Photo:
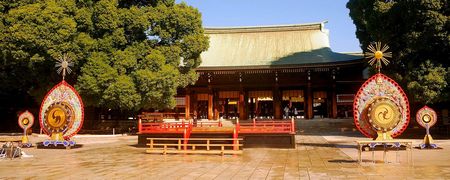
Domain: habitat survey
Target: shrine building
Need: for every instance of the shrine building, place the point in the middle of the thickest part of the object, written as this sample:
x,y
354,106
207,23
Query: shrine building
x,y
272,72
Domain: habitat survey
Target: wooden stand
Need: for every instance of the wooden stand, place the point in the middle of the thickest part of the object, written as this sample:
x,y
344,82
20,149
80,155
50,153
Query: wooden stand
x,y
396,144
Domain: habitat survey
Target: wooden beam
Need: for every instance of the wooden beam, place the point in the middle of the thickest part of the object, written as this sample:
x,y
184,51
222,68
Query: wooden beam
x,y
277,103
210,106
216,105
242,105
333,102
187,106
309,102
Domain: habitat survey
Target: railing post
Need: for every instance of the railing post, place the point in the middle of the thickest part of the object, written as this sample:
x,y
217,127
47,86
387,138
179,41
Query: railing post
x,y
140,126
220,122
254,122
185,139
238,125
235,135
292,125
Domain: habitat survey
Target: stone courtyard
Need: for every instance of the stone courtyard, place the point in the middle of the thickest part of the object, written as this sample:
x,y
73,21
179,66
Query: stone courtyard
x,y
326,149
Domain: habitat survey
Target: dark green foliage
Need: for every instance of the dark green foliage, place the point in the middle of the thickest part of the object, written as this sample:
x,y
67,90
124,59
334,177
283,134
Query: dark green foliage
x,y
128,54
418,33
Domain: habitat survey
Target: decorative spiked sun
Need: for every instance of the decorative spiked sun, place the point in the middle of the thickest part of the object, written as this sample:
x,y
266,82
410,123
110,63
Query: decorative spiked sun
x,y
64,63
378,54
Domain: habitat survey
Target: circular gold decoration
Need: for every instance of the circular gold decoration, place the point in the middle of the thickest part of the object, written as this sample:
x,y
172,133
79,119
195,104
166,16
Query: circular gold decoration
x,y
58,117
378,54
384,114
25,121
426,117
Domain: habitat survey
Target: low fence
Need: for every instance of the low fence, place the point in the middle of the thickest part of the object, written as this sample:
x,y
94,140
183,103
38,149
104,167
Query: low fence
x,y
266,126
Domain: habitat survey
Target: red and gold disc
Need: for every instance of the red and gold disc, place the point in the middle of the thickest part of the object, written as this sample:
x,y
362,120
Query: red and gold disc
x,y
62,111
26,120
381,105
426,116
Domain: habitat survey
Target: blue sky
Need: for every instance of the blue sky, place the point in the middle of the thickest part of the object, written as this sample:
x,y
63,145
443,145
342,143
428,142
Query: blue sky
x,y
220,13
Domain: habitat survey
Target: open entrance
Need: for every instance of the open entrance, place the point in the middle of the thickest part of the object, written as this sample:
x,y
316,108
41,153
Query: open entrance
x,y
345,105
320,107
260,104
293,104
229,104
202,106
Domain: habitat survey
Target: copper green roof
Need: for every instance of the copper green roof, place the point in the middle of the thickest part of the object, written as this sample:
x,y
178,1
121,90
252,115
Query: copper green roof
x,y
267,46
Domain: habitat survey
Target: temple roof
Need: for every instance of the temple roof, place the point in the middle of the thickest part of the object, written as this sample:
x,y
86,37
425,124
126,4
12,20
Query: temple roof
x,y
271,46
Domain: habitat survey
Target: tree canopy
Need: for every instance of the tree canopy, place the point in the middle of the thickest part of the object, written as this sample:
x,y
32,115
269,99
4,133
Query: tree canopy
x,y
128,54
417,32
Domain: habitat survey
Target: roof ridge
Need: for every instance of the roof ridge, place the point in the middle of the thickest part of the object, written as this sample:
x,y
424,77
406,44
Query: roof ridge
x,y
266,28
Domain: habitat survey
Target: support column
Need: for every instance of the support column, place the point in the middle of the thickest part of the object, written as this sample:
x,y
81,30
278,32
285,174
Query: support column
x,y
194,105
309,102
277,103
187,105
333,95
243,105
333,102
216,105
246,105
210,105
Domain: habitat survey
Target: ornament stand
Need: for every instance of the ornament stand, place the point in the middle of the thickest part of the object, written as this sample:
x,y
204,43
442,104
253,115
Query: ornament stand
x,y
26,121
381,110
25,140
57,139
61,114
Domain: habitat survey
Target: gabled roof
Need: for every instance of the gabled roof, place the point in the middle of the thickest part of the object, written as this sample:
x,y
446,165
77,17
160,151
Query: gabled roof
x,y
269,46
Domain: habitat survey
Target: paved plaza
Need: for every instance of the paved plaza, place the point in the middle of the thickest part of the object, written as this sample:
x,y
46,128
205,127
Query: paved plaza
x,y
325,150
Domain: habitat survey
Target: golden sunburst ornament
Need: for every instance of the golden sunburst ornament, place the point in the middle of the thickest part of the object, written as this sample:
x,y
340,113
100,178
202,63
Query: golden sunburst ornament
x,y
64,63
378,54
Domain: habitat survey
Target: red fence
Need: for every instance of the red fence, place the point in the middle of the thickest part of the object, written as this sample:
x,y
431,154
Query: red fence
x,y
185,128
152,127
264,126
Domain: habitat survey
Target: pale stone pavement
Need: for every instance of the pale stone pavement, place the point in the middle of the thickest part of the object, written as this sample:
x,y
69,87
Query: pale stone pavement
x,y
322,153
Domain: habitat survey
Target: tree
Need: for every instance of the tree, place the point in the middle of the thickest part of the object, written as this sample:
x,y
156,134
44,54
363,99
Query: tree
x,y
418,35
128,54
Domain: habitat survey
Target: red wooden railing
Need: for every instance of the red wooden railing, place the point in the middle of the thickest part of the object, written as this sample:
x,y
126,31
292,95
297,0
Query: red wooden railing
x,y
152,127
260,126
185,128
208,124
265,126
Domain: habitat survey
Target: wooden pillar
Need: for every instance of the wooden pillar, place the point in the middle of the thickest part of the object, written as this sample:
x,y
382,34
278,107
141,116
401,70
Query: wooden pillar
x,y
216,105
309,102
225,109
246,105
333,102
277,103
194,105
257,110
243,98
210,105
241,105
187,105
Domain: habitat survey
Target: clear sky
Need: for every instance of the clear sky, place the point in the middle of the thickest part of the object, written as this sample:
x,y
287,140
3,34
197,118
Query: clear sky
x,y
222,13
